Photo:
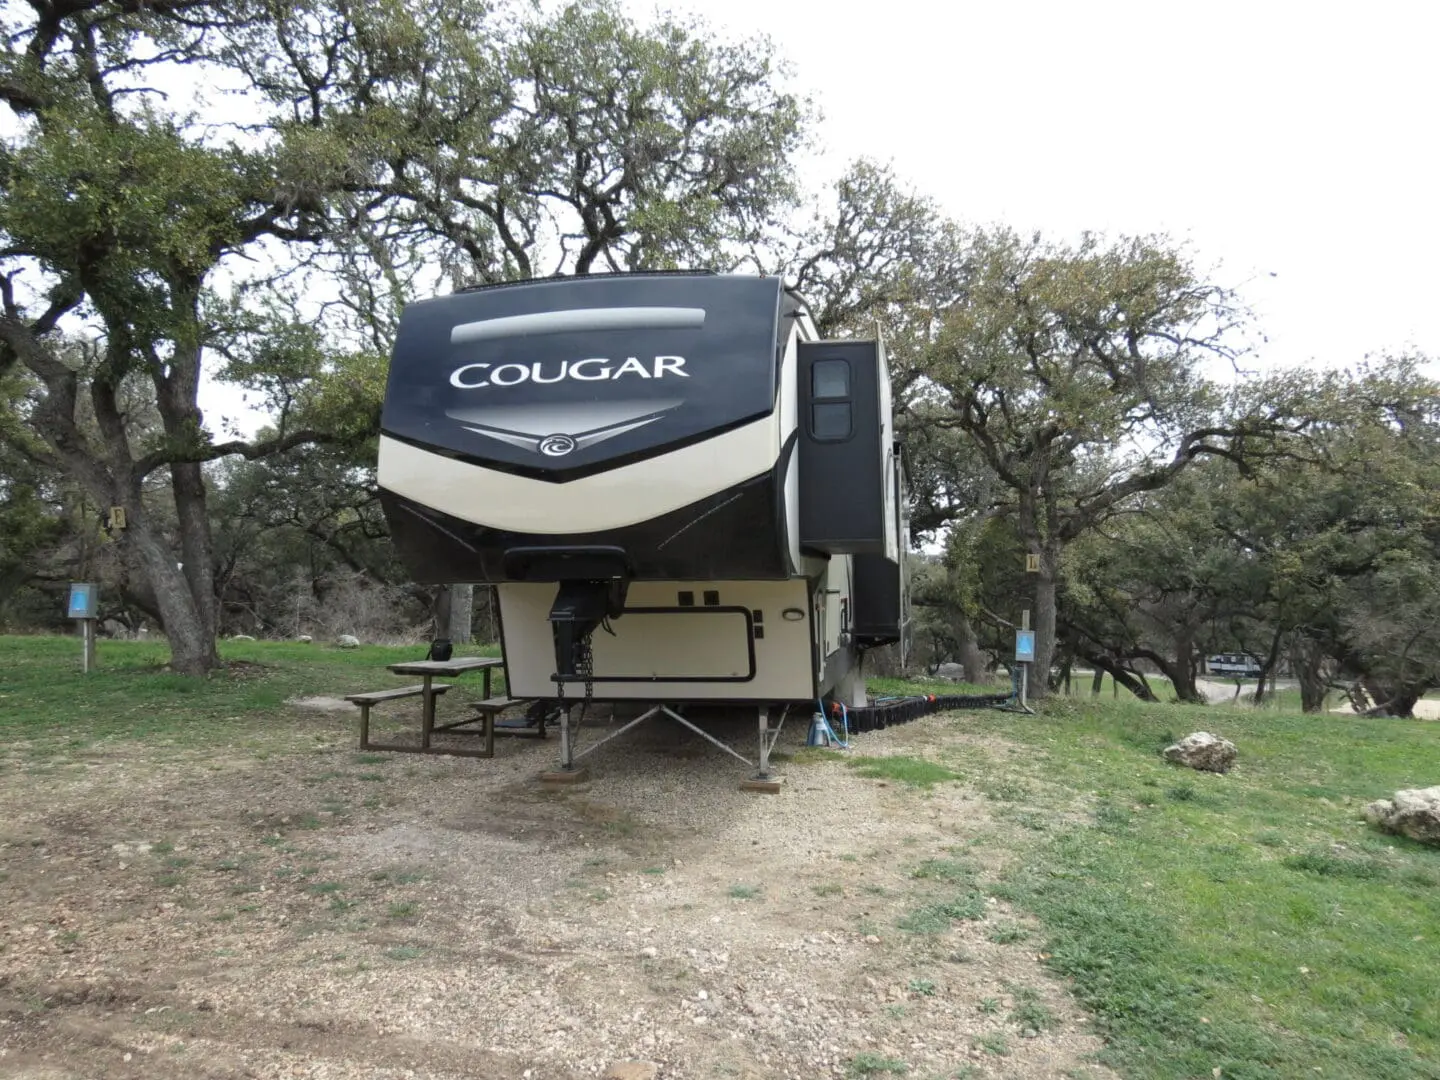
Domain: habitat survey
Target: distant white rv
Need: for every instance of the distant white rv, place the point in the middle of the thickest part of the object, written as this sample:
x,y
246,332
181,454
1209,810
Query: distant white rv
x,y
1233,664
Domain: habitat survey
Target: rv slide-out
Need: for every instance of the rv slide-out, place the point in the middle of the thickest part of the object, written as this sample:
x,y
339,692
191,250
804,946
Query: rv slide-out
x,y
668,466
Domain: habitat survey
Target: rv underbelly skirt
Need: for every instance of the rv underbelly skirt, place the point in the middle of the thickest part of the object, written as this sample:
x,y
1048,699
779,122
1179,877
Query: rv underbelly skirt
x,y
676,641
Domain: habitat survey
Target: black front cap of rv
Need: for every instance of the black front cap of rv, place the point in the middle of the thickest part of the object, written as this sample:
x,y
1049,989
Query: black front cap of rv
x,y
563,378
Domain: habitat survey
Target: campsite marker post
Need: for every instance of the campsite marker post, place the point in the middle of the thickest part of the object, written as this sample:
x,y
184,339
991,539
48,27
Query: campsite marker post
x,y
84,606
1024,651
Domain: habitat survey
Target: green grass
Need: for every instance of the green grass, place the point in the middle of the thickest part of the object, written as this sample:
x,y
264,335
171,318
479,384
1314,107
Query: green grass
x,y
868,1064
944,870
883,687
1249,922
45,699
911,771
937,916
994,1043
1284,700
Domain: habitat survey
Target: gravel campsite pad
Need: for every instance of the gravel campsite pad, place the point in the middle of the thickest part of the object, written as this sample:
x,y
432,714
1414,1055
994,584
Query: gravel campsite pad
x,y
288,907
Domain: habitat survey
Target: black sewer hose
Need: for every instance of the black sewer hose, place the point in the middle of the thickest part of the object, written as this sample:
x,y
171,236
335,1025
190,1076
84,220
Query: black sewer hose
x,y
885,713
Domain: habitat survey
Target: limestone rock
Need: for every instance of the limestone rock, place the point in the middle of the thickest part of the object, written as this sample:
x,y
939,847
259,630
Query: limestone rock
x,y
632,1070
241,637
954,672
1204,751
304,639
1414,812
348,641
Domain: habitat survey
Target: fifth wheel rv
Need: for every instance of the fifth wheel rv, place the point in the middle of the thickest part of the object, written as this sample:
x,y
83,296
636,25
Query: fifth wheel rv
x,y
679,494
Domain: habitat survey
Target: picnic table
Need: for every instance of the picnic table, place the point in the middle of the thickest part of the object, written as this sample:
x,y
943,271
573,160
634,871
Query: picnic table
x,y
452,668
486,709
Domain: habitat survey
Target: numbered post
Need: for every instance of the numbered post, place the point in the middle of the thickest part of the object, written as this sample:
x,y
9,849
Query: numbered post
x,y
1024,652
84,607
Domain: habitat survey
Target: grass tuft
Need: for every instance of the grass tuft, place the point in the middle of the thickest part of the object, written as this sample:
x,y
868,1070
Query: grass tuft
x,y
868,1064
1326,864
936,918
945,870
994,1042
911,771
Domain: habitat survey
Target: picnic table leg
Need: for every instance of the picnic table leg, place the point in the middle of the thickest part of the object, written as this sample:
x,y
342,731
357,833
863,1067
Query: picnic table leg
x,y
427,714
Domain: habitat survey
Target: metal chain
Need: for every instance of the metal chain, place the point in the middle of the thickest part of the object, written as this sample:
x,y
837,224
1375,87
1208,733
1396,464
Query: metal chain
x,y
585,668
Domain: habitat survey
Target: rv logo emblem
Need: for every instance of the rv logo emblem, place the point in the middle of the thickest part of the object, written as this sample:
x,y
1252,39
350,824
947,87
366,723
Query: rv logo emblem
x,y
557,445
556,431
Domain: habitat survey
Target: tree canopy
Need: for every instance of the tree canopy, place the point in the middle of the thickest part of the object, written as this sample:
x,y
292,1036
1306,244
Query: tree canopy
x,y
146,245
247,192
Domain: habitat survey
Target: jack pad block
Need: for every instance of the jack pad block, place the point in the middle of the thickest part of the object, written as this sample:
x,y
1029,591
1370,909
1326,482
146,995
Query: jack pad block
x,y
565,776
768,785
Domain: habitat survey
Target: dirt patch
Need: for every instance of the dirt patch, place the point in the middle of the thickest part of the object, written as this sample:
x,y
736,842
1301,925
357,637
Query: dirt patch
x,y
323,704
323,913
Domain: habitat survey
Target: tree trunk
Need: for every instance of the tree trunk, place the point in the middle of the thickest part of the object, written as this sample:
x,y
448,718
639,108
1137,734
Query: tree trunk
x,y
1181,672
462,608
192,649
1097,681
444,599
1027,522
176,398
970,657
1140,677
1045,620
485,614
1271,660
1391,700
1308,663
197,551
1122,677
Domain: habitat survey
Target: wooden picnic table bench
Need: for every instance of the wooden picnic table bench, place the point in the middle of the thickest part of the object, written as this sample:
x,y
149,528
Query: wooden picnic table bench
x,y
375,697
428,691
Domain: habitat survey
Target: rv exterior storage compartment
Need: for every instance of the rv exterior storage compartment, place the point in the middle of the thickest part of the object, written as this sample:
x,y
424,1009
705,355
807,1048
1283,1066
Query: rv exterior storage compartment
x,y
846,504
881,586
879,601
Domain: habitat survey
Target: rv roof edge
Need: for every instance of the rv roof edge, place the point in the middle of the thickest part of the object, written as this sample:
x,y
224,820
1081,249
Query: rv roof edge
x,y
482,286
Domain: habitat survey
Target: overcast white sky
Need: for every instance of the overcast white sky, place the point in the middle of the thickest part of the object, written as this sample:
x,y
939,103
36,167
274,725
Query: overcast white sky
x,y
1298,140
